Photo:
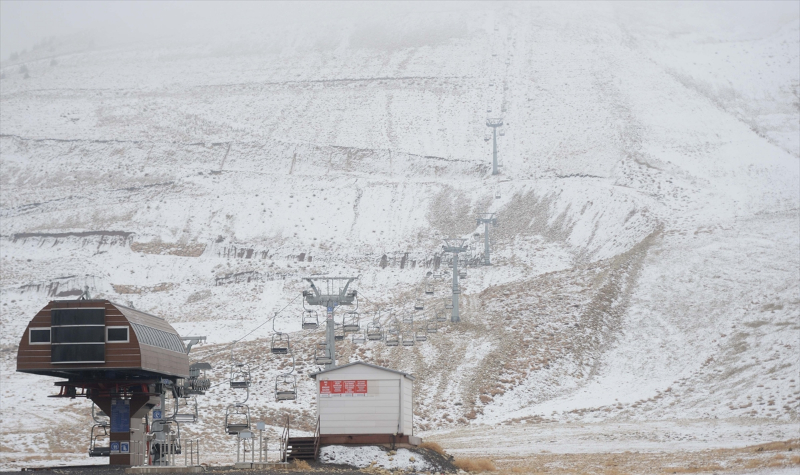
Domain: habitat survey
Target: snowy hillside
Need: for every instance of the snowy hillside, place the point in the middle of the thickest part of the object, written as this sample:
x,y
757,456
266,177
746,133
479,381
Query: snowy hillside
x,y
646,254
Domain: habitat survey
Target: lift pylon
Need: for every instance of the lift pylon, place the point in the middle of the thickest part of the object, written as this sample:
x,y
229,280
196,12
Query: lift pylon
x,y
486,219
494,123
455,246
330,292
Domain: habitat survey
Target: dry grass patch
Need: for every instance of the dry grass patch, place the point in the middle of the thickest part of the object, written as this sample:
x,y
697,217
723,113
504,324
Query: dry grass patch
x,y
695,469
432,446
300,465
475,465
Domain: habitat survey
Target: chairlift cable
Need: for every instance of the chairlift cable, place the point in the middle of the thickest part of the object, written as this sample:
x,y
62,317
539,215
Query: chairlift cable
x,y
253,330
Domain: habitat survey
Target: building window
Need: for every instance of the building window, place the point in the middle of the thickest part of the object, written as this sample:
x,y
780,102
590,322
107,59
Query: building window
x,y
77,335
39,336
117,335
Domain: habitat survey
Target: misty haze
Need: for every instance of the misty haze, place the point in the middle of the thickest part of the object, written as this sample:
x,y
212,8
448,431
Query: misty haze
x,y
565,237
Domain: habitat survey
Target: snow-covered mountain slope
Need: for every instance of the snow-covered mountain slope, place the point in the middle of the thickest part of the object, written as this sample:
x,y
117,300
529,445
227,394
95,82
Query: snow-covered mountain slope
x,y
646,254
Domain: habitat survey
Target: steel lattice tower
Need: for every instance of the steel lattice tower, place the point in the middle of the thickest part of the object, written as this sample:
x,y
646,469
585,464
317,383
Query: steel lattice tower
x,y
486,219
455,245
335,295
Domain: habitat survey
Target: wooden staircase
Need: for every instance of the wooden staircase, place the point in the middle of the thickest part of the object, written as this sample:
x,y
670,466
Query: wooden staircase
x,y
302,448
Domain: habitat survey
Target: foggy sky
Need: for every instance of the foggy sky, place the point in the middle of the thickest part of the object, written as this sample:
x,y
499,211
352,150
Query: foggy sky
x,y
25,23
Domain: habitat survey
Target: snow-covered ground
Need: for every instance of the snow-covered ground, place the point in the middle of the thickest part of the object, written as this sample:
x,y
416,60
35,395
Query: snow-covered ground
x,y
645,284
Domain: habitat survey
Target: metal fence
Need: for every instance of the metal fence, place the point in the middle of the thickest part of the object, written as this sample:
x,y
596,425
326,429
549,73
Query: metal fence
x,y
173,451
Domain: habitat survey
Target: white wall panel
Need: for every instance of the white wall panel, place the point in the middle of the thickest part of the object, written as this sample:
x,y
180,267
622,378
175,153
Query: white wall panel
x,y
377,412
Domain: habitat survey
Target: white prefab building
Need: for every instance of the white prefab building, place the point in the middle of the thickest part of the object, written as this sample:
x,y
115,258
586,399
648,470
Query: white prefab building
x,y
360,399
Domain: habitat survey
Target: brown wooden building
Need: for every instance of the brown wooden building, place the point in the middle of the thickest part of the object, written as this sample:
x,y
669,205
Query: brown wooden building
x,y
99,338
114,355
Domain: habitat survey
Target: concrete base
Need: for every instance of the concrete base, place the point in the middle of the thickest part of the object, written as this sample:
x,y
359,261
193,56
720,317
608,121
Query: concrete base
x,y
165,469
399,440
270,465
260,465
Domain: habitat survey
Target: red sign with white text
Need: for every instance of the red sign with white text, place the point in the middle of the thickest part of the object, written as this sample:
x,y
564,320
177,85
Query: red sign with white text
x,y
336,386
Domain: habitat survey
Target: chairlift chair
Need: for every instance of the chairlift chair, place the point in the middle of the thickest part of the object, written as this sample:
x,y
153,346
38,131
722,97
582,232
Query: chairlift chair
x,y
374,331
441,317
350,322
237,418
280,344
359,338
310,320
408,338
408,318
393,336
101,421
502,132
448,306
338,333
421,334
240,376
322,355
286,387
99,417
429,289
431,327
186,416
96,450
418,305
462,274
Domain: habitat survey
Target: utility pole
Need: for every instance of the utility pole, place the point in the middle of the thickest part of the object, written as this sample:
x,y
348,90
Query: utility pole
x,y
335,294
494,123
455,245
486,219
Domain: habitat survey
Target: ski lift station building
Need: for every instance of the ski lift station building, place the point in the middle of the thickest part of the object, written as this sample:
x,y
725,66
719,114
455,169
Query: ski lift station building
x,y
109,353
361,403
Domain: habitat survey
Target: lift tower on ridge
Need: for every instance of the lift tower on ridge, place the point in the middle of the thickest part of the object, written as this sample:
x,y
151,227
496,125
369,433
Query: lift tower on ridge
x,y
486,219
494,123
455,245
336,294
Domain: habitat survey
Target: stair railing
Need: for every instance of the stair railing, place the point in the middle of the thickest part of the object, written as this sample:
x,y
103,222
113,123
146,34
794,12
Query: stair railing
x,y
285,442
316,440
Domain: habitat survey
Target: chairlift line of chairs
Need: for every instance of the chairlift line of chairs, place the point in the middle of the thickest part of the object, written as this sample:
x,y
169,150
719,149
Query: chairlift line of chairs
x,y
237,415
